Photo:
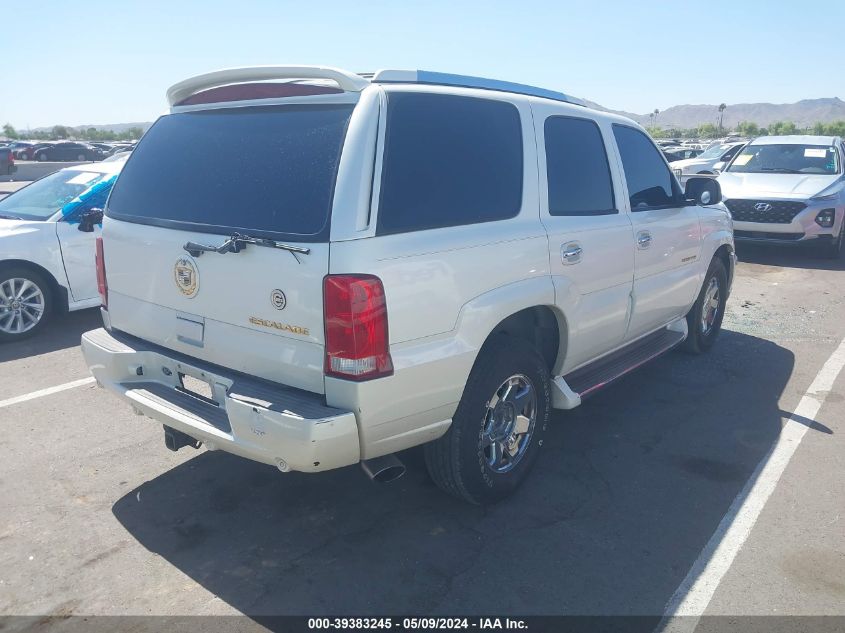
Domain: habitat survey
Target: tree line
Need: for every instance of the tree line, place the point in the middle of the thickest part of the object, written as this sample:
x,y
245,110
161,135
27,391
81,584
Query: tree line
x,y
63,132
751,129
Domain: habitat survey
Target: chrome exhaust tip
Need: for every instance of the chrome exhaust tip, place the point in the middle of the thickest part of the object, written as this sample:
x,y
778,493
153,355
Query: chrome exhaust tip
x,y
383,469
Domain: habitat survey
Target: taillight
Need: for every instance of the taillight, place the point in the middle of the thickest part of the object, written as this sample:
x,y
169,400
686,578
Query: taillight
x,y
355,310
102,284
11,158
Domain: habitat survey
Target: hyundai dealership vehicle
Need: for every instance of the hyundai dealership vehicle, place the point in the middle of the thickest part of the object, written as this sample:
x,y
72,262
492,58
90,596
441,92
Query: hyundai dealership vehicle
x,y
47,236
391,260
789,190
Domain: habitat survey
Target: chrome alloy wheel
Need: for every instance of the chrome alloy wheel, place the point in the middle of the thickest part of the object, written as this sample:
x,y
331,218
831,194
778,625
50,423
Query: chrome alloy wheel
x,y
710,306
21,305
509,423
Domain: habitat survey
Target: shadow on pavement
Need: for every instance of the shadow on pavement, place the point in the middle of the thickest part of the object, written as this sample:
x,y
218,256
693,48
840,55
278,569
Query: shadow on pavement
x,y
786,257
63,331
626,493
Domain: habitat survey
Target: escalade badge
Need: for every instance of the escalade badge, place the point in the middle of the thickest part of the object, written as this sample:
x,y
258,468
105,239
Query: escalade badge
x,y
187,277
763,206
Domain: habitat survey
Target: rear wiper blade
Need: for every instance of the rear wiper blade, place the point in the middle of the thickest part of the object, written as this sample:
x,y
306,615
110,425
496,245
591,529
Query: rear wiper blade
x,y
237,242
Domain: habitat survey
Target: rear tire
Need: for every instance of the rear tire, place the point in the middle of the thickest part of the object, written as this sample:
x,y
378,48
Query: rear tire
x,y
704,320
499,426
26,302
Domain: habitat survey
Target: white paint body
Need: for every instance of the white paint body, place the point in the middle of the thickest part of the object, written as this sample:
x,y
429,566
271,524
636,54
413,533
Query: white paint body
x,y
57,247
446,289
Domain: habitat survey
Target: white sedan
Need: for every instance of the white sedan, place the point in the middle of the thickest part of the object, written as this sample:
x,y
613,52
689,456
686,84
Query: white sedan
x,y
47,236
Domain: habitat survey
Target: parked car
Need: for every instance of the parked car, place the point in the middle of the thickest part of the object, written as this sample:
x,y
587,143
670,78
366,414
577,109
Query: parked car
x,y
66,151
47,237
7,161
314,301
28,152
122,147
789,190
709,161
674,154
17,146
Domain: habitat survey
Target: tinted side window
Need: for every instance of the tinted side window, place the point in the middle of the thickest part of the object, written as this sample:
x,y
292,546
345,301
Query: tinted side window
x,y
650,183
449,161
577,169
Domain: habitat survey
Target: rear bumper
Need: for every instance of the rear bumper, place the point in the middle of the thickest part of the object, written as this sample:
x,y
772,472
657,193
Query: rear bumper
x,y
268,423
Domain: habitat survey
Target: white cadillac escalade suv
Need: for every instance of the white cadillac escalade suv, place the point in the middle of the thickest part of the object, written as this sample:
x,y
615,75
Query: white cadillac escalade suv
x,y
311,269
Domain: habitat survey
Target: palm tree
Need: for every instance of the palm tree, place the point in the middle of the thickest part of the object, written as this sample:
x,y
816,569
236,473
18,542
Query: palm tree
x,y
722,108
656,112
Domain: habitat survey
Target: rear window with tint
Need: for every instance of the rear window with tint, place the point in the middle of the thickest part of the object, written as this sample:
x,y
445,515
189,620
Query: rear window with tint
x,y
448,161
267,171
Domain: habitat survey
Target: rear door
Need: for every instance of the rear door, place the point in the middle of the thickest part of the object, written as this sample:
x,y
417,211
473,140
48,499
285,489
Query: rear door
x,y
591,242
667,234
201,177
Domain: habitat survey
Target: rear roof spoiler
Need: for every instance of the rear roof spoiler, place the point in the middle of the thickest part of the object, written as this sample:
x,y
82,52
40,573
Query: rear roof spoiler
x,y
347,81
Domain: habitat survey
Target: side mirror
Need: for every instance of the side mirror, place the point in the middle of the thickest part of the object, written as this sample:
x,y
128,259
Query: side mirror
x,y
720,165
89,219
703,191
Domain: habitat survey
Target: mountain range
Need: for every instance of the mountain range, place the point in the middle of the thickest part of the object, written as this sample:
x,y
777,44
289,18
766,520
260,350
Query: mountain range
x,y
803,113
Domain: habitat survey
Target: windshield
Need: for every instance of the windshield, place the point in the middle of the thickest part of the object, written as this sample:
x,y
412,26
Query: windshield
x,y
787,159
716,151
43,198
266,171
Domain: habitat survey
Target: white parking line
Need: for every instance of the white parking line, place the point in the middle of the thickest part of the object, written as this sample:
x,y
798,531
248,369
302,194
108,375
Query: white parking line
x,y
46,392
695,592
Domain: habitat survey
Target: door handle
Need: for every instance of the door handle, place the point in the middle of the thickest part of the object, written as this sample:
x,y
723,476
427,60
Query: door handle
x,y
643,239
571,253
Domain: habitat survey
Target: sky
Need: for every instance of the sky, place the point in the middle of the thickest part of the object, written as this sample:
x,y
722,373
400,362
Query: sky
x,y
98,62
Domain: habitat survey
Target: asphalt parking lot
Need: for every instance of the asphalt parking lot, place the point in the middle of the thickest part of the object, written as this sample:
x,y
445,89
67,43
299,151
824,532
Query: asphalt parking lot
x,y
99,518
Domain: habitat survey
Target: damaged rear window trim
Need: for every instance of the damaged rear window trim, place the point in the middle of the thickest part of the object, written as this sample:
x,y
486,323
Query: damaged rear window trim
x,y
217,229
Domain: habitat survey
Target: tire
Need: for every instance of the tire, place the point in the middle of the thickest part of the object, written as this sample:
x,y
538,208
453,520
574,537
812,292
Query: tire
x,y
12,279
835,248
703,333
461,462
41,157
81,157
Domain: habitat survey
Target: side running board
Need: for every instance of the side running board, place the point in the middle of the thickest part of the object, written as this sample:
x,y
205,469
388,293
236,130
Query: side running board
x,y
569,390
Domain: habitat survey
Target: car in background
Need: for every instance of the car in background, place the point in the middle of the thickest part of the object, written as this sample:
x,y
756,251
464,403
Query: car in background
x,y
674,154
121,147
28,153
7,162
18,146
68,150
710,161
788,190
47,236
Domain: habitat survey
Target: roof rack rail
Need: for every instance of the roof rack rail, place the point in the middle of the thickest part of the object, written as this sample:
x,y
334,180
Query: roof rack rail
x,y
347,81
467,81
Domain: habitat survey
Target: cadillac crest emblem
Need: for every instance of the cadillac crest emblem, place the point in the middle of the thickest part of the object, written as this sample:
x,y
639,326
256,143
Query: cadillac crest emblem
x,y
186,276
